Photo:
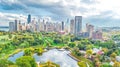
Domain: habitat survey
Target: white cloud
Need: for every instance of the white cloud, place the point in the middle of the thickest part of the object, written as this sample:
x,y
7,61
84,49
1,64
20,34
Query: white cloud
x,y
9,17
70,8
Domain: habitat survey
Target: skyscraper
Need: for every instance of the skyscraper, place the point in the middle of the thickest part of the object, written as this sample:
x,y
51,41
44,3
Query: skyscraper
x,y
11,26
16,25
29,19
72,24
89,29
19,26
78,25
97,35
62,26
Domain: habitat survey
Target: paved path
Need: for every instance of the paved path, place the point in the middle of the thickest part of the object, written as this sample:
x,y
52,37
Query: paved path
x,y
73,57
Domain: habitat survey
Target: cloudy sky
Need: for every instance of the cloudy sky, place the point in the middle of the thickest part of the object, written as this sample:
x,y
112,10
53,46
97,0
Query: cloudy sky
x,y
97,12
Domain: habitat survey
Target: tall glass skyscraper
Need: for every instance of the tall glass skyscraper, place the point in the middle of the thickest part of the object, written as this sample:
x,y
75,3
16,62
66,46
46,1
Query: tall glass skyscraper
x,y
16,25
11,26
78,25
29,19
62,26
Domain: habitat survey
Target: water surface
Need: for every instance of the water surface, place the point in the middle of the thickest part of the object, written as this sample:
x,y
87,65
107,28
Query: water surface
x,y
54,55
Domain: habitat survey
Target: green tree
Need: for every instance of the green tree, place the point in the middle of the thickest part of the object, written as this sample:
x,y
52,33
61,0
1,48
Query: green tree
x,y
116,64
28,51
105,65
113,55
81,46
39,51
89,52
26,61
72,44
76,52
10,36
82,64
24,44
5,63
57,41
88,47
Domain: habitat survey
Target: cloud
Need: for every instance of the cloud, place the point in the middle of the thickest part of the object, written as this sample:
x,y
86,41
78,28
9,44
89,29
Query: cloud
x,y
12,5
91,10
9,17
104,19
89,1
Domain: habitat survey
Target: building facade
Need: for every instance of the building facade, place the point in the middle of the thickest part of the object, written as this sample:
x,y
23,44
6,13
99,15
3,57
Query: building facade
x,y
78,25
89,29
11,26
29,19
72,26
62,26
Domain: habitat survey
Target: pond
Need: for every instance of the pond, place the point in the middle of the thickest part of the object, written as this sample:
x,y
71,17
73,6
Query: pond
x,y
54,55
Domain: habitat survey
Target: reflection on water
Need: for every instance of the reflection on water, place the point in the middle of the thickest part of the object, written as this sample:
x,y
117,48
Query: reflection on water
x,y
59,57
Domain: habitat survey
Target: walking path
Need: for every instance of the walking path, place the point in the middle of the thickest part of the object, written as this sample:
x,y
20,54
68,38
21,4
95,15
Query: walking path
x,y
73,57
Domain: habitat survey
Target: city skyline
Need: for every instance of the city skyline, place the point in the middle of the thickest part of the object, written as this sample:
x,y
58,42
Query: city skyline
x,y
97,12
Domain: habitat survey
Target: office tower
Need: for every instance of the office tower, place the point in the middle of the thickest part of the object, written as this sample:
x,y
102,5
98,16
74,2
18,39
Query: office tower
x,y
37,26
67,26
62,26
32,25
97,35
29,19
89,29
49,27
45,27
72,24
19,26
57,27
25,26
78,25
11,26
16,25
41,26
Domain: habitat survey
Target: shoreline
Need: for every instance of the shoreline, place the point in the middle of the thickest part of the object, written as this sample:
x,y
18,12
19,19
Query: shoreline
x,y
74,58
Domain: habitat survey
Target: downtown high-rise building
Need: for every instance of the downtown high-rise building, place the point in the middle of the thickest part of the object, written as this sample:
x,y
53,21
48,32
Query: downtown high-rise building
x,y
90,29
16,25
11,26
42,25
62,26
29,19
78,25
72,25
19,26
